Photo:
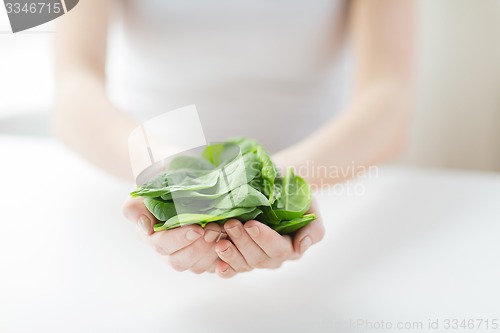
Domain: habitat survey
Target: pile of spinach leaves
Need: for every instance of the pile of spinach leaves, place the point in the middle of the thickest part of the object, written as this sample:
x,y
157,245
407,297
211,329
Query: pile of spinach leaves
x,y
234,179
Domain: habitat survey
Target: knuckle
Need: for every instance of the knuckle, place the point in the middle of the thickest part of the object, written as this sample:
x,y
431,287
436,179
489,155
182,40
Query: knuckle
x,y
260,263
177,264
191,256
241,268
282,255
278,264
274,264
232,255
227,275
321,235
320,231
159,249
246,269
129,206
197,270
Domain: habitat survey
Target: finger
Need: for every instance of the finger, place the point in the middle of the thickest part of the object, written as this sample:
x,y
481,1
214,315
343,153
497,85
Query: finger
x,y
134,210
208,260
230,254
205,264
224,270
212,232
309,235
253,254
187,257
211,269
169,241
272,243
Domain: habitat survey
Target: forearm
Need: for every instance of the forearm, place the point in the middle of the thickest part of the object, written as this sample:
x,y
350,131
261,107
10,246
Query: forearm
x,y
87,122
371,131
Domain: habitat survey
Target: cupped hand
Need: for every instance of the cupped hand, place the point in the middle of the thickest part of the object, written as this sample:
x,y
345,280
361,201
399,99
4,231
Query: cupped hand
x,y
255,245
186,248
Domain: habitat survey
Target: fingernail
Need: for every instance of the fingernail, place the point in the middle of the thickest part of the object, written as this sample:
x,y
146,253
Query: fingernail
x,y
305,243
192,235
222,235
211,236
253,231
234,232
145,224
226,253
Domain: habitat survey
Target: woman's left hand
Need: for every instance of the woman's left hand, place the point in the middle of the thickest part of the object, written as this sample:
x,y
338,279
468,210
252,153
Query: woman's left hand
x,y
255,245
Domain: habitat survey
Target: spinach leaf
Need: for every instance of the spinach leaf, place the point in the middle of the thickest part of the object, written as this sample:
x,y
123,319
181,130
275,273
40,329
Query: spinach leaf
x,y
288,227
232,179
295,199
269,173
181,180
202,219
242,196
246,145
238,172
160,209
268,216
221,153
190,163
249,216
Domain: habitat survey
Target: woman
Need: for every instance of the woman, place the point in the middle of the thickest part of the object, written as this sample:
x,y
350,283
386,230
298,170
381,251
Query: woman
x,y
263,69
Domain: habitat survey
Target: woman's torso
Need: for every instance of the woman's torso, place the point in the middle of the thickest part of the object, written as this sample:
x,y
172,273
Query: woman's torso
x,y
259,68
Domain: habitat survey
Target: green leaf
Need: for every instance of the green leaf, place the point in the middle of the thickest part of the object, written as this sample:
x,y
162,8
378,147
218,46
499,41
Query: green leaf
x,y
246,145
185,182
238,172
295,199
190,163
269,173
268,216
233,179
160,209
202,219
249,216
288,227
219,154
242,196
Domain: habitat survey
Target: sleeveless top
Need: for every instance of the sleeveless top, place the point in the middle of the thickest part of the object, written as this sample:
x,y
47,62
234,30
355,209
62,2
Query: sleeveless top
x,y
272,70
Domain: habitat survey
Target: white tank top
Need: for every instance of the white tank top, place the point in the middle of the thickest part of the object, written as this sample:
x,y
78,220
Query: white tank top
x,y
273,70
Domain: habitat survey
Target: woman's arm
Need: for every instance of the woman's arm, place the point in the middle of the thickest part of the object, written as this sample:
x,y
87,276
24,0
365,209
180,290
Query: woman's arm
x,y
372,130
87,122
374,127
84,118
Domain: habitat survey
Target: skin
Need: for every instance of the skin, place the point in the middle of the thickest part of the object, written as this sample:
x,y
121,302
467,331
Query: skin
x,y
372,130
255,245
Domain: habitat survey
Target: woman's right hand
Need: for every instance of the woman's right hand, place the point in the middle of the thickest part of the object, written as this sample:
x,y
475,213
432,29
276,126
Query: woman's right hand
x,y
187,248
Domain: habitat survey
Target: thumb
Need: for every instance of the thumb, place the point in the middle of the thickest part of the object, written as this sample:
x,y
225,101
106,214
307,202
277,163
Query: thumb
x,y
310,234
134,210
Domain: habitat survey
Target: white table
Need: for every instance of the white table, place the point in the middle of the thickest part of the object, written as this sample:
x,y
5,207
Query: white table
x,y
418,244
